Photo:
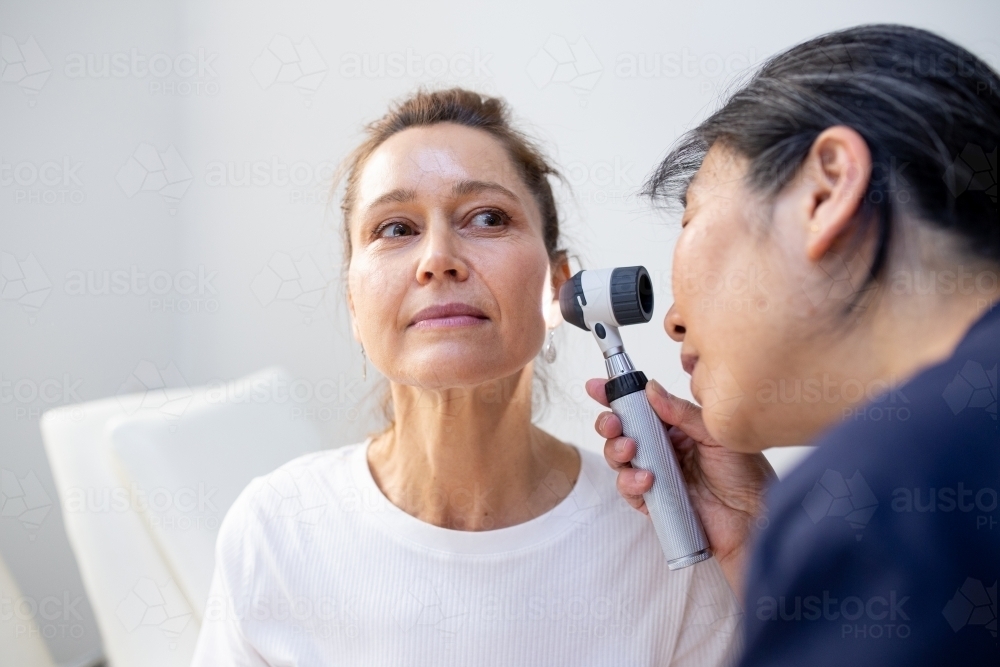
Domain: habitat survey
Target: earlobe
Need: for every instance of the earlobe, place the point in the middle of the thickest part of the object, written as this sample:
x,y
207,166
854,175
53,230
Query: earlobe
x,y
839,165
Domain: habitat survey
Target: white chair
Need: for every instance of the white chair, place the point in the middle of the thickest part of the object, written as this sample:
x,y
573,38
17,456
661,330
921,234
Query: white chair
x,y
144,479
21,642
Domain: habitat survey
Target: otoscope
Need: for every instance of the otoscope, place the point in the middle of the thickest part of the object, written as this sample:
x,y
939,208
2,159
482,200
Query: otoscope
x,y
601,301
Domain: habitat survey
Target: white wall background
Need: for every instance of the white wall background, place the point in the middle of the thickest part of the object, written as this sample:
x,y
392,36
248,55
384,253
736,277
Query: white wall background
x,y
217,99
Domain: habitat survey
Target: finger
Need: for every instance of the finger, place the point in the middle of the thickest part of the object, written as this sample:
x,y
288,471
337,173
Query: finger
x,y
595,388
677,412
619,452
631,488
608,425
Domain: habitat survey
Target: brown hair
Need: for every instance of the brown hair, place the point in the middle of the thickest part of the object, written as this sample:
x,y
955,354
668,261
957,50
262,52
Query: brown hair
x,y
468,108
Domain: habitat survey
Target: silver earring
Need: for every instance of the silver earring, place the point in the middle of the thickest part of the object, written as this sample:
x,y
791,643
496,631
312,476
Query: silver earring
x,y
549,351
364,365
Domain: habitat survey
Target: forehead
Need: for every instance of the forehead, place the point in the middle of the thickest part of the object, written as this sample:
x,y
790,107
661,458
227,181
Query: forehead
x,y
721,171
420,158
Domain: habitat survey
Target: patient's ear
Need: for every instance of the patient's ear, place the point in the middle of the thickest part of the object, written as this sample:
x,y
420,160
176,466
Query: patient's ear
x,y
833,180
560,274
354,320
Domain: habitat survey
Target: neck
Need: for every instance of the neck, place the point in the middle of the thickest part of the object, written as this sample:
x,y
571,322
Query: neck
x,y
932,293
913,332
916,320
470,458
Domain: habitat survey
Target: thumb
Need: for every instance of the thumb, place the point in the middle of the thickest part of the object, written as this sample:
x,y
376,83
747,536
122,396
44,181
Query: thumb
x,y
595,388
675,411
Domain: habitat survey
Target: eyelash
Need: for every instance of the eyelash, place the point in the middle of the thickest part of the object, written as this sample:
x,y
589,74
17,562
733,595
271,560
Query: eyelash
x,y
500,214
377,234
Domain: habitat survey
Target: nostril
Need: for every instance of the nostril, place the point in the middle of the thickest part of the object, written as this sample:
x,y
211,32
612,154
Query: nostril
x,y
679,329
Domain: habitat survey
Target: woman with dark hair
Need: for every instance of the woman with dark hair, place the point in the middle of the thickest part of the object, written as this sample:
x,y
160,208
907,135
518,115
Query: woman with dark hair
x,y
462,534
856,174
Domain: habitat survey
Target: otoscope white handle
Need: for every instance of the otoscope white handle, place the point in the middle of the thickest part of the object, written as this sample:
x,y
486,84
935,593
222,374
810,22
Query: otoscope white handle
x,y
677,526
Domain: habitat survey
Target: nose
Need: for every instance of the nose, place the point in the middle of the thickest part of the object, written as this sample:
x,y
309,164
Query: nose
x,y
674,325
440,257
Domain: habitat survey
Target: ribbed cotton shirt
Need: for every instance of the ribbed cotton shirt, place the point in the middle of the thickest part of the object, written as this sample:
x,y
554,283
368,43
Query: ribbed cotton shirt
x,y
315,566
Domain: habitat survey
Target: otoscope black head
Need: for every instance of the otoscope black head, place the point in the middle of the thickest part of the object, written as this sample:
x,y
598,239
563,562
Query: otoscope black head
x,y
627,292
631,295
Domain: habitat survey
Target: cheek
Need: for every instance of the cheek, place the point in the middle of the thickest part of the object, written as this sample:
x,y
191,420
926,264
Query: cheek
x,y
376,294
698,261
517,281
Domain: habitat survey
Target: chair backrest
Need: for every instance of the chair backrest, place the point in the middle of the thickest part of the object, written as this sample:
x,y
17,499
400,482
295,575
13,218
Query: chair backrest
x,y
129,471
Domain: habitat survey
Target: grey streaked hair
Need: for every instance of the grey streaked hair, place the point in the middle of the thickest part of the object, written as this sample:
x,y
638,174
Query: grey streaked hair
x,y
928,109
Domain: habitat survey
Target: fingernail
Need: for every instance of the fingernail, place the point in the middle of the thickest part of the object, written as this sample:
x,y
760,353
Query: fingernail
x,y
658,388
600,422
619,446
641,476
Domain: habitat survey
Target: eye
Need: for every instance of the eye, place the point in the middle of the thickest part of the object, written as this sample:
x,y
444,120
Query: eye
x,y
395,229
491,218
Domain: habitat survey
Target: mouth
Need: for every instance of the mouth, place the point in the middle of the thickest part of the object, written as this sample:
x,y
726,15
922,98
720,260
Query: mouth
x,y
688,362
448,315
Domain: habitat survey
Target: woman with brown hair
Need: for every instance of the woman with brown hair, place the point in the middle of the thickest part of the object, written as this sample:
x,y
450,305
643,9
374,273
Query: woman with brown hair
x,y
463,533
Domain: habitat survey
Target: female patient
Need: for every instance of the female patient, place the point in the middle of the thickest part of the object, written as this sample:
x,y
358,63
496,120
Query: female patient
x,y
462,534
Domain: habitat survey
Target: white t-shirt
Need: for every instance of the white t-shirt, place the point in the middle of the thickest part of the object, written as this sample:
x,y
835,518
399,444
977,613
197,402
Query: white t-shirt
x,y
315,566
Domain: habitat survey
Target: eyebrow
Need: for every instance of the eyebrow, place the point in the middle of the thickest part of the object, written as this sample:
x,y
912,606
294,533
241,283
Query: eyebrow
x,y
397,196
403,195
473,187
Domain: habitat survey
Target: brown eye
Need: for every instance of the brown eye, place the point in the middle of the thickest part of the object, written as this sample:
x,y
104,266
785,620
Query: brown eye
x,y
394,229
489,219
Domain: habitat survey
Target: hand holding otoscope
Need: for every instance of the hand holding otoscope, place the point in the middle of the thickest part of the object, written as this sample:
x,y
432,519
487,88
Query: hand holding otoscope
x,y
601,301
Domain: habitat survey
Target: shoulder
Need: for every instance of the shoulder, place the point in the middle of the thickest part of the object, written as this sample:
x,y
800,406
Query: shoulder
x,y
289,498
936,429
899,499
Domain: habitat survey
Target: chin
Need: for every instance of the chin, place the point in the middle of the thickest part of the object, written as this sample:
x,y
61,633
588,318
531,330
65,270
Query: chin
x,y
734,432
445,369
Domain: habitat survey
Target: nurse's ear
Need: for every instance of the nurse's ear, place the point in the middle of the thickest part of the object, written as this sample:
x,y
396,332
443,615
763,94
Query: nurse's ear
x,y
830,187
560,272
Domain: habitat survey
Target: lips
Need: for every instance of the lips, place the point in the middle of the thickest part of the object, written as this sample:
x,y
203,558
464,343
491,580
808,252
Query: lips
x,y
688,362
448,314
